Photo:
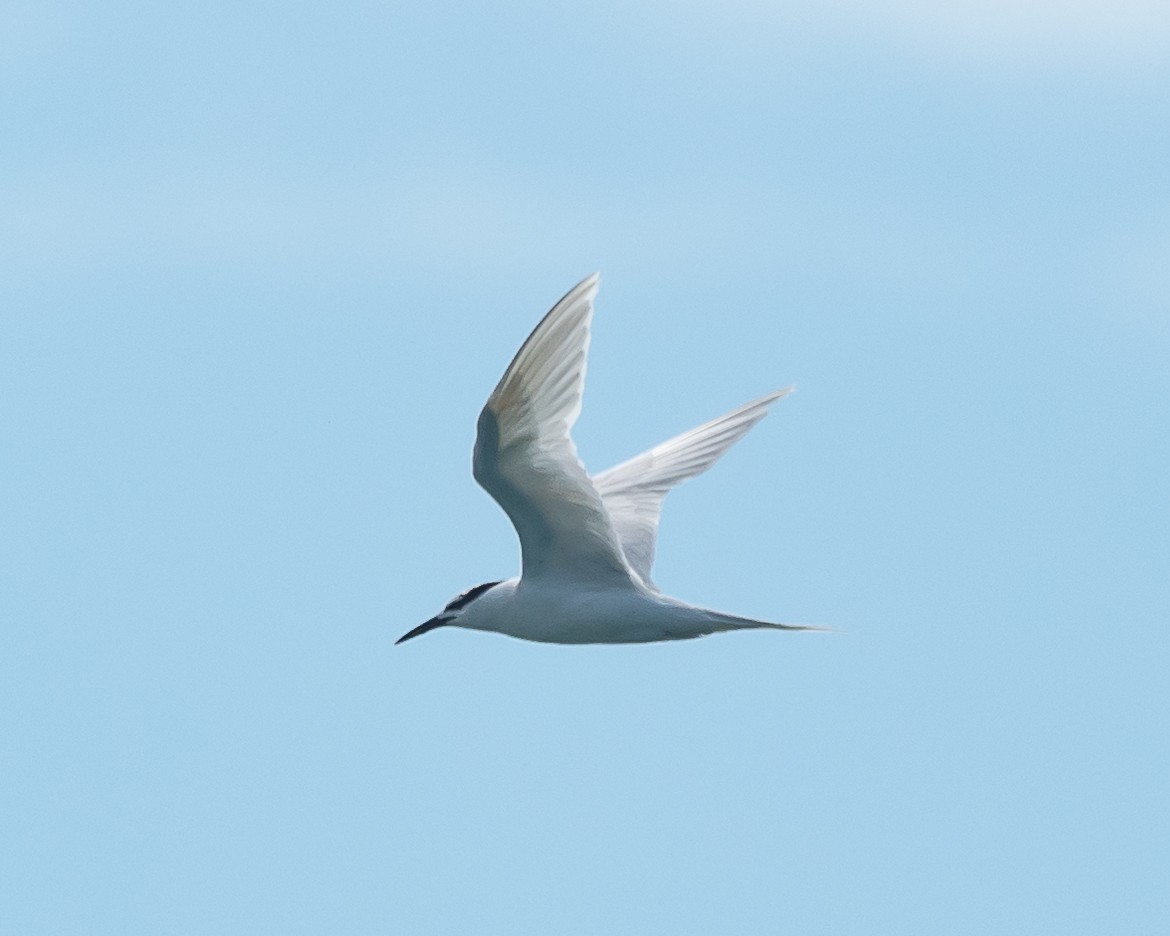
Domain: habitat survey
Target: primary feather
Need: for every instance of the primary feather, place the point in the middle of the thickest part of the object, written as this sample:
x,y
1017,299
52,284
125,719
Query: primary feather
x,y
634,490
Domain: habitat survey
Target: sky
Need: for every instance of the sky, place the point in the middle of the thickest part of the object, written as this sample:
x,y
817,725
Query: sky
x,y
260,266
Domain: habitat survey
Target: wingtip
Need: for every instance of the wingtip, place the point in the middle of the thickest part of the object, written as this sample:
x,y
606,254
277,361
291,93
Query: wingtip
x,y
762,403
585,290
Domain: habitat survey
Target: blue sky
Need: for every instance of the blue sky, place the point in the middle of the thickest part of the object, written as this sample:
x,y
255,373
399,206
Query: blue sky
x,y
261,264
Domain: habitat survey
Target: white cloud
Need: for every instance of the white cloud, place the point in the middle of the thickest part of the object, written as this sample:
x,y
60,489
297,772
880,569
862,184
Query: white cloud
x,y
1037,28
470,214
1010,33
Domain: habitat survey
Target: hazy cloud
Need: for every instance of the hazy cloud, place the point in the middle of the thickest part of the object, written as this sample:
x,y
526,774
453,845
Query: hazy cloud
x,y
984,32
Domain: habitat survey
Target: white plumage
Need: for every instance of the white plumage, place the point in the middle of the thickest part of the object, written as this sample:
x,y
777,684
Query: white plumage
x,y
587,544
633,491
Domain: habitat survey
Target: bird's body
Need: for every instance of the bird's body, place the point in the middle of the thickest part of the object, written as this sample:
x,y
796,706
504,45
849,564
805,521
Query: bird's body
x,y
590,612
587,543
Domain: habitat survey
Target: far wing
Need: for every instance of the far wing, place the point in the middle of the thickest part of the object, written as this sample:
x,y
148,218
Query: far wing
x,y
634,490
525,457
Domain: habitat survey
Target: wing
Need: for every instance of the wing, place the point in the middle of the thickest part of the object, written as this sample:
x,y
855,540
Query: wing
x,y
634,490
525,457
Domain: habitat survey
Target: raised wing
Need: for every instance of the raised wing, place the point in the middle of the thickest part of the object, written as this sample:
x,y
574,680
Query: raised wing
x,y
525,457
634,490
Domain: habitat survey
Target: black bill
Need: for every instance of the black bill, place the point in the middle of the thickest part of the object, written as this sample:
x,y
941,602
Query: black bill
x,y
423,628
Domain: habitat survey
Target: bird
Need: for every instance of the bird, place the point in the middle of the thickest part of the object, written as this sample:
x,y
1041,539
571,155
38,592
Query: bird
x,y
587,543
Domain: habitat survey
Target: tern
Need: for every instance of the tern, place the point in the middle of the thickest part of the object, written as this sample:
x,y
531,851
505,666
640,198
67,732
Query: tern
x,y
586,543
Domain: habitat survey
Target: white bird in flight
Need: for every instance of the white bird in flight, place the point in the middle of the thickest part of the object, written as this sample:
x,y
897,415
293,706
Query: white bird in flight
x,y
586,543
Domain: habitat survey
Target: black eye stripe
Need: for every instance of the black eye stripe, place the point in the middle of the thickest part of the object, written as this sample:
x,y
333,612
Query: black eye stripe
x,y
469,596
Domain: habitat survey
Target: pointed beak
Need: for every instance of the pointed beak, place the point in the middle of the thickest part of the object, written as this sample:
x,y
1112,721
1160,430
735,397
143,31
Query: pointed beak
x,y
422,629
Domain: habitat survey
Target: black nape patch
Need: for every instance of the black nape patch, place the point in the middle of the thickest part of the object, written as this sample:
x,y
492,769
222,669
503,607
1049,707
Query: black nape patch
x,y
469,596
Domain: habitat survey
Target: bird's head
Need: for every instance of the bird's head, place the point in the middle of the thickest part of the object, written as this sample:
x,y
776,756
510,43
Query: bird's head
x,y
455,610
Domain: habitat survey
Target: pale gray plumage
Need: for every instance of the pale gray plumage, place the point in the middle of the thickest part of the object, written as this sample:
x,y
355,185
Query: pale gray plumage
x,y
526,459
587,544
634,490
